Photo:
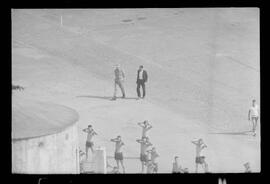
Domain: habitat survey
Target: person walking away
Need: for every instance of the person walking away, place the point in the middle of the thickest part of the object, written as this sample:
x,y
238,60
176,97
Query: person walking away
x,y
119,81
142,78
118,155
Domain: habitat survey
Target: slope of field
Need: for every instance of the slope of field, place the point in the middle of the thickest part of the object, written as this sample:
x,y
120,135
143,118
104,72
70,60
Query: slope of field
x,y
203,67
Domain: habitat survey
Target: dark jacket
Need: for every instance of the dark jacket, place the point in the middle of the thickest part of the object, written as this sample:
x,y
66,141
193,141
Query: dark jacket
x,y
145,76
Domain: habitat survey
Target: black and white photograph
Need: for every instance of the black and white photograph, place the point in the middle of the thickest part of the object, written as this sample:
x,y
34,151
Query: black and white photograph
x,y
136,90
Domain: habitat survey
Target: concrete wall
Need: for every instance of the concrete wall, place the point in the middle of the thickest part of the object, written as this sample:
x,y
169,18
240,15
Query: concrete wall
x,y
97,164
51,154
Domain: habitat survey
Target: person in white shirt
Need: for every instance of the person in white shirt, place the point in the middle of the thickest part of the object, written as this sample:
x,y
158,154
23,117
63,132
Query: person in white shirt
x,y
253,115
119,80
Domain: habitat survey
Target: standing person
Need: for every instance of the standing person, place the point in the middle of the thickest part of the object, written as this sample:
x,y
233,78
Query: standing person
x,y
152,162
145,127
118,155
200,159
253,114
145,143
141,80
89,143
176,166
119,80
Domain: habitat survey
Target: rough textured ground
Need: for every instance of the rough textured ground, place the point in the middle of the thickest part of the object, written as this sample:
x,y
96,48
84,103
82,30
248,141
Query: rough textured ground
x,y
203,67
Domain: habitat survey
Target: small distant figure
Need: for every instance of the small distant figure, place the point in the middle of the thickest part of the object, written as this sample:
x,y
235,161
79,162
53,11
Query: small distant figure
x,y
145,143
247,167
200,159
118,155
253,114
119,80
145,127
17,87
152,165
142,78
176,166
89,143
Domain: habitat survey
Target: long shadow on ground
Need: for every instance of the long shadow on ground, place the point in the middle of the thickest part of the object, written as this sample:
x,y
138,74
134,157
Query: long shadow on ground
x,y
105,97
234,133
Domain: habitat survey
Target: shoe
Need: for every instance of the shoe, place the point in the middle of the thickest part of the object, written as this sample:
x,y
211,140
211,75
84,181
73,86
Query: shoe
x,y
123,96
114,98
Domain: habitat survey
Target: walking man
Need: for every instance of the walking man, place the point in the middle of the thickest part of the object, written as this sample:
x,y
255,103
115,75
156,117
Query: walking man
x,y
118,155
144,145
89,143
200,159
145,127
119,80
141,80
253,114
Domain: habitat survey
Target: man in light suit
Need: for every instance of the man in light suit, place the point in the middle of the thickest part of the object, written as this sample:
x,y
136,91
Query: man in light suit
x,y
141,80
119,80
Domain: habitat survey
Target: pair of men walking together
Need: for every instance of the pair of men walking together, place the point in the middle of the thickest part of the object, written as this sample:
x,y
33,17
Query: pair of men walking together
x,y
120,77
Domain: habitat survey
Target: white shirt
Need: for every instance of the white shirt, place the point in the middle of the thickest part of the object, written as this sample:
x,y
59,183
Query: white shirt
x,y
254,111
141,74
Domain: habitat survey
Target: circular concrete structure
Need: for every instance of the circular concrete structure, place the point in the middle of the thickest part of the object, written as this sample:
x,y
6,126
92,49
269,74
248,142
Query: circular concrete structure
x,y
44,138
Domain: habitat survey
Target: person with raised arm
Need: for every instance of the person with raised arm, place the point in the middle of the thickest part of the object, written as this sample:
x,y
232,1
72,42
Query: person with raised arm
x,y
118,155
200,160
145,127
145,143
89,143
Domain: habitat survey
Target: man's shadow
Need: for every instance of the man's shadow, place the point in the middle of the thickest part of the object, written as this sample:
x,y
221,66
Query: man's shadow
x,y
233,133
105,97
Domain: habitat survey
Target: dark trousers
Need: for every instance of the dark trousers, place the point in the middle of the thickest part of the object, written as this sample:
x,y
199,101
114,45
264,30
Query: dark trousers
x,y
139,84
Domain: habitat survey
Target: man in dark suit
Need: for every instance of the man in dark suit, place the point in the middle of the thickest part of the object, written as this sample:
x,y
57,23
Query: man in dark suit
x,y
141,80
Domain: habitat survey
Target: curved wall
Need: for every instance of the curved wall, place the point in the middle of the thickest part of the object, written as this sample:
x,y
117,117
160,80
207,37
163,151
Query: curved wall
x,y
51,154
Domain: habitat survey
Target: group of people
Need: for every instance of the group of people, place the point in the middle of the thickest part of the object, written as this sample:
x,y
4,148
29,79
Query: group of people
x,y
119,79
147,156
199,159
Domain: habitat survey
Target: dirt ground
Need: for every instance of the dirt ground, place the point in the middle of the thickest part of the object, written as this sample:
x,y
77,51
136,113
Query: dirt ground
x,y
203,67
